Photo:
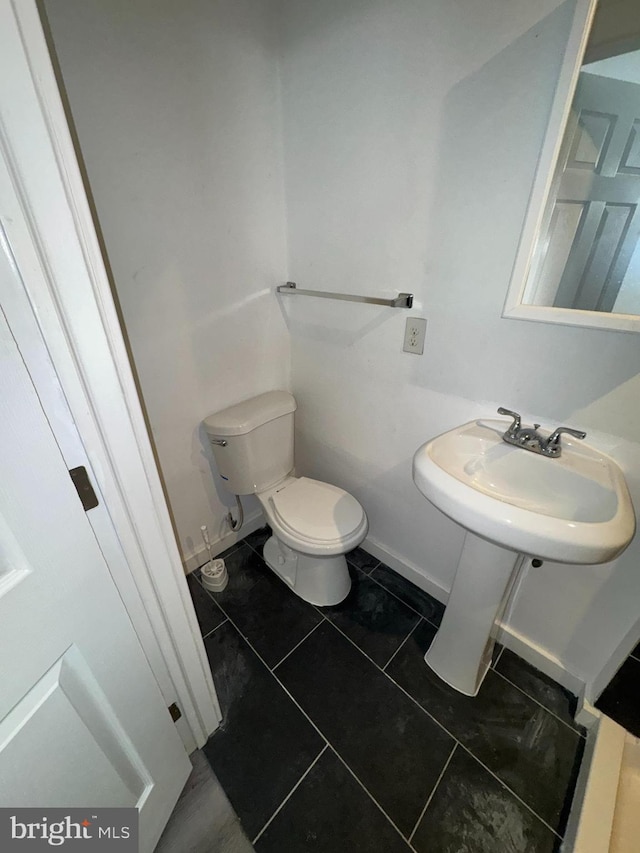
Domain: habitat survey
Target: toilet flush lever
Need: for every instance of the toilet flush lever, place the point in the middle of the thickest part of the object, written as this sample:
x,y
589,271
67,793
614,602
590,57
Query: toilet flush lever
x,y
219,441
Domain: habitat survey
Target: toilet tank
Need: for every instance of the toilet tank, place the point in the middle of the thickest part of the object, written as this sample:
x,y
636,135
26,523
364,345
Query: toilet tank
x,y
258,441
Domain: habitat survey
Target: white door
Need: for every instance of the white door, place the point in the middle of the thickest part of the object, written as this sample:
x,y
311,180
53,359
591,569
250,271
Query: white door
x,y
82,720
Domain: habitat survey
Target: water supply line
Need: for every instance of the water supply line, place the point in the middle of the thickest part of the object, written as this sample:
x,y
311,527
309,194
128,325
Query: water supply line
x,y
233,524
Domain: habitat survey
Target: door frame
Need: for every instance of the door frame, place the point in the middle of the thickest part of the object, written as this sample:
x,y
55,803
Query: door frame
x,y
59,257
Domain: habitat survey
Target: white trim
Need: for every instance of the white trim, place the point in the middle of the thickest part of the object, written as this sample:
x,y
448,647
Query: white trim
x,y
571,317
71,298
541,659
590,824
514,307
197,556
614,662
536,655
408,570
587,715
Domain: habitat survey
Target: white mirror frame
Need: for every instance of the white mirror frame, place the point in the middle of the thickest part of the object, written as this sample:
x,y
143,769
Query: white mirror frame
x,y
514,306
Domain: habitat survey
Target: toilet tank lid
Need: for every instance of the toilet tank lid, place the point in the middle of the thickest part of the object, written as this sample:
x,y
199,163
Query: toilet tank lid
x,y
245,416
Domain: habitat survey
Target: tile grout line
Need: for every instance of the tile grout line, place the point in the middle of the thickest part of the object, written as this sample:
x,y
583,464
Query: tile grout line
x,y
511,791
212,599
312,723
291,651
360,569
397,597
370,795
430,797
368,574
275,677
406,693
493,666
395,683
255,550
401,644
213,630
495,663
446,730
224,612
475,757
537,702
384,669
291,792
356,646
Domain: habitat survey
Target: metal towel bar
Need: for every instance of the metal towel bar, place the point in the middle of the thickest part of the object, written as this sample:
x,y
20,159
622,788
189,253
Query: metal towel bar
x,y
402,300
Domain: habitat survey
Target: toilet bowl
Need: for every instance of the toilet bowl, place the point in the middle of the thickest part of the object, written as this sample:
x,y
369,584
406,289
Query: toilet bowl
x,y
314,523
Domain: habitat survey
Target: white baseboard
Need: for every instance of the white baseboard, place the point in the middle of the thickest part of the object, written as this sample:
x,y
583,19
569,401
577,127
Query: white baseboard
x,y
412,573
541,659
522,646
198,556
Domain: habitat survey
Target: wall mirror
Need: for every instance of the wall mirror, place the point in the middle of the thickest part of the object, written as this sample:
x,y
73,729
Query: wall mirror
x,y
578,262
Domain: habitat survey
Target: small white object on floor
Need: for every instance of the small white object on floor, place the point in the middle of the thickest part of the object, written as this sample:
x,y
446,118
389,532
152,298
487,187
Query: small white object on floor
x,y
214,575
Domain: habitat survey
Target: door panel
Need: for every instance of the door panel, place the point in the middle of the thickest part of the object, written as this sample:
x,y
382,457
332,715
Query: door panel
x,y
65,723
82,720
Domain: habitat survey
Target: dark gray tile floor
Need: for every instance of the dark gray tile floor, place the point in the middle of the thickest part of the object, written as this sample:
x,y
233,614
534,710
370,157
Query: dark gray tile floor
x,y
208,617
394,749
337,735
508,731
471,810
419,601
253,600
372,618
329,812
539,686
266,743
621,698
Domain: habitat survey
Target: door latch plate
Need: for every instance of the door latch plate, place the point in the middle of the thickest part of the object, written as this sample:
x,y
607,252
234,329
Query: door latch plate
x,y
81,481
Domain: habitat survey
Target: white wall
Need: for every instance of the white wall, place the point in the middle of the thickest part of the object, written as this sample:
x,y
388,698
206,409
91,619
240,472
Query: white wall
x,y
411,133
176,108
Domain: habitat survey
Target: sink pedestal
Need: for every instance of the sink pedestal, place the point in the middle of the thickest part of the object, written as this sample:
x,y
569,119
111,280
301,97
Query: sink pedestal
x,y
461,651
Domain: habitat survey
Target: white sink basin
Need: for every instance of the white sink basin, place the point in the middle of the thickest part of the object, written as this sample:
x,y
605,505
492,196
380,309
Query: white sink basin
x,y
572,509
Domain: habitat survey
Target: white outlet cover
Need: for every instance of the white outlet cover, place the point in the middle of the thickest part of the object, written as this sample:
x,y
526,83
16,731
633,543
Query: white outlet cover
x,y
414,335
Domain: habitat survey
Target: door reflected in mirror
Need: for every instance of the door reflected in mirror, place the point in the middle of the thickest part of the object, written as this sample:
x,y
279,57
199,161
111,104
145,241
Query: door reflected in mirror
x,y
580,251
588,254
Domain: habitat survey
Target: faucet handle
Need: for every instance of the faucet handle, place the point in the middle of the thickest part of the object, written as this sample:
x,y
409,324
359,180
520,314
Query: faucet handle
x,y
515,426
553,442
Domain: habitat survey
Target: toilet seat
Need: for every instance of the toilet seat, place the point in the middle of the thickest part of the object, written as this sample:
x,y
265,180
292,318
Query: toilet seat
x,y
314,517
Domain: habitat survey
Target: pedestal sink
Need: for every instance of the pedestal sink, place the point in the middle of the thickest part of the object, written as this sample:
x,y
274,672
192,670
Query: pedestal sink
x,y
513,503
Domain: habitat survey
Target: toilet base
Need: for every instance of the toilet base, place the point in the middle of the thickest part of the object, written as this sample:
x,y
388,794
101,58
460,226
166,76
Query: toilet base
x,y
323,581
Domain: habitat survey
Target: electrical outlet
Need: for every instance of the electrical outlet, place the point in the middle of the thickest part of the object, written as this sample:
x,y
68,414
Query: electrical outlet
x,y
414,335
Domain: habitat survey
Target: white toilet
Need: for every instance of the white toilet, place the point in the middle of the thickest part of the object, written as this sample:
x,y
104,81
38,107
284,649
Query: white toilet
x,y
314,524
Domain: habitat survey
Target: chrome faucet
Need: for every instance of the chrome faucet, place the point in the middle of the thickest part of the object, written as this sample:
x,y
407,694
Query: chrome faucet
x,y
530,439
